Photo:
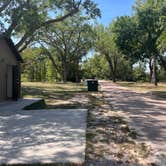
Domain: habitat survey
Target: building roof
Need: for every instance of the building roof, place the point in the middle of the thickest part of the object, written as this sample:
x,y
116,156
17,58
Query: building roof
x,y
12,48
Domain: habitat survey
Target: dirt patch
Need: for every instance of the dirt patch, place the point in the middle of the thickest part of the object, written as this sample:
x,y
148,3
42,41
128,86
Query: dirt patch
x,y
110,141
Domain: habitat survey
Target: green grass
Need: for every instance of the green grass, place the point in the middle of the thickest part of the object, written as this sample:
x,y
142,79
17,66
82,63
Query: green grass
x,y
55,95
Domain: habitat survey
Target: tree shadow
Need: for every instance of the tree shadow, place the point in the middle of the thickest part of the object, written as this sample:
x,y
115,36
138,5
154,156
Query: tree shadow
x,y
104,130
160,95
39,136
146,114
52,97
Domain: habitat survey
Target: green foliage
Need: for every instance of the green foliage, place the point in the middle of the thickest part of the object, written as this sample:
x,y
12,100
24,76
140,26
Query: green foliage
x,y
139,73
105,45
37,66
51,74
96,67
22,19
128,40
68,42
126,37
162,75
141,36
125,70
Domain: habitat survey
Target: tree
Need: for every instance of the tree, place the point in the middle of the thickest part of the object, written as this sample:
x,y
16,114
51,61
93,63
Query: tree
x,y
106,46
139,36
139,73
37,66
66,44
151,23
96,67
21,19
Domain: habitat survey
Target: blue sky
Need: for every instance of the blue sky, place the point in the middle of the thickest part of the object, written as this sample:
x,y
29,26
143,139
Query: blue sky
x,y
110,9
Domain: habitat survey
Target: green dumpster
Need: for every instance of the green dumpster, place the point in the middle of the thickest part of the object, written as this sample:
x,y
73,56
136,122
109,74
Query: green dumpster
x,y
92,85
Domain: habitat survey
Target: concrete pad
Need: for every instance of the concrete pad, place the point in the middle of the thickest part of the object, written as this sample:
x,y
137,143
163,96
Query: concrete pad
x,y
43,136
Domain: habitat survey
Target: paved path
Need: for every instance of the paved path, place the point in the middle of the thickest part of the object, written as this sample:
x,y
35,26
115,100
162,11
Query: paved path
x,y
146,114
42,136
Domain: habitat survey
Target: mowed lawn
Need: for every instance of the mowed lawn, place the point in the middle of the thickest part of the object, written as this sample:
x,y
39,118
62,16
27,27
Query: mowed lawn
x,y
159,91
57,95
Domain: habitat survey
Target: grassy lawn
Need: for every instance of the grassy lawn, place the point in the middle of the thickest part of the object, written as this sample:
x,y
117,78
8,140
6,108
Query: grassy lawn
x,y
159,91
56,95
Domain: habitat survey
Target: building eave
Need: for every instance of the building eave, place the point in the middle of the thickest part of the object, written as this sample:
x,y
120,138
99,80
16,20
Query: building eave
x,y
12,48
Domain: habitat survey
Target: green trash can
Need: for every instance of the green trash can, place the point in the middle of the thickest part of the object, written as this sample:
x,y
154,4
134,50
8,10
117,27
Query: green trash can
x,y
92,85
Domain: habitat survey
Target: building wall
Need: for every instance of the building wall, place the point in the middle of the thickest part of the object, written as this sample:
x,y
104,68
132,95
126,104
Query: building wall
x,y
2,81
6,58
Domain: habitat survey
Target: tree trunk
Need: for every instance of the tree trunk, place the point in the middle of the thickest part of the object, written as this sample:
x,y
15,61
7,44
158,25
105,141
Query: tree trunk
x,y
77,73
114,76
115,61
112,67
154,74
32,75
64,74
151,69
64,70
77,77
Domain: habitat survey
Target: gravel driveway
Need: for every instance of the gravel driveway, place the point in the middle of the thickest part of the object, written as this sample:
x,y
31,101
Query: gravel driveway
x,y
147,115
42,136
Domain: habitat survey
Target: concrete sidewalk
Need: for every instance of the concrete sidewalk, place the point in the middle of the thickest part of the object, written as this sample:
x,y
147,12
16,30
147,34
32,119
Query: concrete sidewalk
x,y
42,136
147,115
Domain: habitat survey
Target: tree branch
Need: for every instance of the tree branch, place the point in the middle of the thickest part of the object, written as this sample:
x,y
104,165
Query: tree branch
x,y
50,57
5,4
27,34
60,18
23,39
25,45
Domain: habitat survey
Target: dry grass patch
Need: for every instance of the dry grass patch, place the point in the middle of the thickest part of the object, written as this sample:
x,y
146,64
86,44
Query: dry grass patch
x,y
110,141
143,87
159,91
57,95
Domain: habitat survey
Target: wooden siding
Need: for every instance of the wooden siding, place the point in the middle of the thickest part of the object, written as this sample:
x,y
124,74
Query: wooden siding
x,y
6,58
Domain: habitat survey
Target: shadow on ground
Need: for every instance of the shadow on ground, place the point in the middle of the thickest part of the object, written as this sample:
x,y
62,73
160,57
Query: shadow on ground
x,y
43,136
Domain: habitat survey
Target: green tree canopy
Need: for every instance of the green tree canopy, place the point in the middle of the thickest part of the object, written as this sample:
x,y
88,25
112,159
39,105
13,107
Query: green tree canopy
x,y
22,19
141,35
105,45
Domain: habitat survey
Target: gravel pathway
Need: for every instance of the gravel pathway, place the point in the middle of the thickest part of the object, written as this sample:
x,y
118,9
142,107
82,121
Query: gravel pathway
x,y
146,115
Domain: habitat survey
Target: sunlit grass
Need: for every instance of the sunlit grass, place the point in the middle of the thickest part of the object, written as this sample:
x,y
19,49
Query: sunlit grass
x,y
144,87
56,95
56,86
159,90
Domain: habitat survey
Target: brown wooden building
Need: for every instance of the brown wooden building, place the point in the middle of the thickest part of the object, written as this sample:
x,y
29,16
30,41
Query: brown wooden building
x,y
10,61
